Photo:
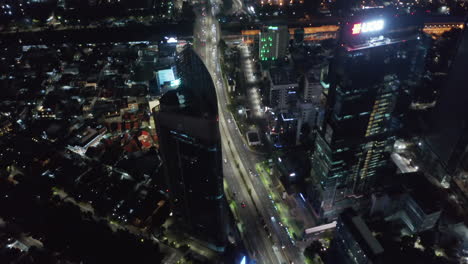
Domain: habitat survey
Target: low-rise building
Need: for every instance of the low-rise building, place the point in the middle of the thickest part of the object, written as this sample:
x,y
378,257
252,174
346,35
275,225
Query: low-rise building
x,y
283,89
354,243
85,138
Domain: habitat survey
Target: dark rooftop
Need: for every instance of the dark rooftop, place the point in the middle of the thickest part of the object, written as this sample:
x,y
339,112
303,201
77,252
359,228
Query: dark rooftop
x,y
361,233
281,76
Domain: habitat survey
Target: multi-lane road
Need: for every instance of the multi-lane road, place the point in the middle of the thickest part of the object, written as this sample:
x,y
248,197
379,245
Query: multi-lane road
x,y
270,244
205,41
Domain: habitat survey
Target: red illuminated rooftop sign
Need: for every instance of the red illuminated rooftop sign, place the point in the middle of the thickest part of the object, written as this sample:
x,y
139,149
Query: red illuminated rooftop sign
x,y
371,26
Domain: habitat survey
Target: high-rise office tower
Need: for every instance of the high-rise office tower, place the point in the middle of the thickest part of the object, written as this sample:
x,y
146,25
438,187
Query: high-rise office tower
x,y
190,146
273,43
379,59
445,145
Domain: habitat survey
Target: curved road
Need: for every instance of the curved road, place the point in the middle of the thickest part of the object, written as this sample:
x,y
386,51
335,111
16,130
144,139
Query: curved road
x,y
247,187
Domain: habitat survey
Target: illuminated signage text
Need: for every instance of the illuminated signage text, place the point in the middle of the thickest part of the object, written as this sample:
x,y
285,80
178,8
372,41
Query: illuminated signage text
x,y
371,26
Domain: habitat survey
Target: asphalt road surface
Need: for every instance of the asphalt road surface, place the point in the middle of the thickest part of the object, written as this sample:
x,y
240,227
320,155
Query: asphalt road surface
x,y
248,189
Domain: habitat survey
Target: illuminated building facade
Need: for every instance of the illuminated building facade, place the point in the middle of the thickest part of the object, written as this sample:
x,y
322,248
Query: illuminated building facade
x,y
280,2
190,146
273,42
371,80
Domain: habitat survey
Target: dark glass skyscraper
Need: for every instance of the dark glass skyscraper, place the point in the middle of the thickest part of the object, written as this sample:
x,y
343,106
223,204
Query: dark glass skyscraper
x,y
446,142
190,145
379,60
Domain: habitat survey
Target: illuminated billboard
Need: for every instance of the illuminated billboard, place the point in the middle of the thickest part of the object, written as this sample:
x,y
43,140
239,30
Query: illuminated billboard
x,y
365,27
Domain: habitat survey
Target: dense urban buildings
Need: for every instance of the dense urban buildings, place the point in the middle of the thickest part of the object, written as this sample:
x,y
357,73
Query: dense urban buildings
x,y
240,131
372,76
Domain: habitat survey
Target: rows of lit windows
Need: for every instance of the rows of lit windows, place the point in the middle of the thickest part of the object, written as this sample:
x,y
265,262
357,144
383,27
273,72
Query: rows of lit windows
x,y
366,163
374,158
380,110
266,48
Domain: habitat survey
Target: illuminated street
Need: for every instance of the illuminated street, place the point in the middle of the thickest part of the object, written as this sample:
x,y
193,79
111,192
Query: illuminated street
x,y
233,132
248,188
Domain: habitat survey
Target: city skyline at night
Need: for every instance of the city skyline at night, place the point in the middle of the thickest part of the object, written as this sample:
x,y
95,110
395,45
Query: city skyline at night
x,y
237,131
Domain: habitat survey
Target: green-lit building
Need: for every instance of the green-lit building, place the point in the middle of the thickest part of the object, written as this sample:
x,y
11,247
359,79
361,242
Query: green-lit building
x,y
273,43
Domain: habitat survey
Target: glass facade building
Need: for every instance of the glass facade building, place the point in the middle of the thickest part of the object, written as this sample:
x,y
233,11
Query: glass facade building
x,y
371,83
445,144
190,146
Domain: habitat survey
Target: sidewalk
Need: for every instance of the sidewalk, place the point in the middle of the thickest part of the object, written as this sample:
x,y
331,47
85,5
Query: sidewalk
x,y
294,226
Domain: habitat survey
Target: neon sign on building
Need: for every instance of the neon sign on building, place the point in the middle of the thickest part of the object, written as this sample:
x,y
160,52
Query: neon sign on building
x,y
371,26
